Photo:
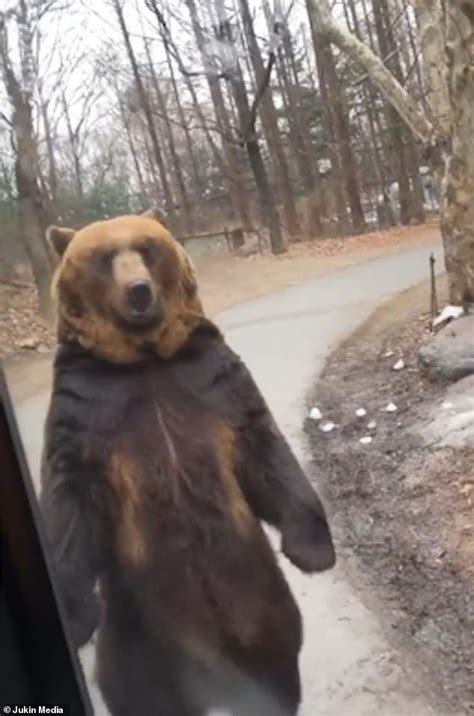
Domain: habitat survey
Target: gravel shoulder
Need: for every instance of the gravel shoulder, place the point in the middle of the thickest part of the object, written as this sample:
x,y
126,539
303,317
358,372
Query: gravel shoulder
x,y
403,509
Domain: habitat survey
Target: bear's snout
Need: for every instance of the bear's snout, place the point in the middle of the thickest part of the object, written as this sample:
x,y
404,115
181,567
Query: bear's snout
x,y
140,296
137,298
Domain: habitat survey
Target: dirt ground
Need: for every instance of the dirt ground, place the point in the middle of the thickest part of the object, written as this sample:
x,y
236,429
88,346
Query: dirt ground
x,y
224,281
403,511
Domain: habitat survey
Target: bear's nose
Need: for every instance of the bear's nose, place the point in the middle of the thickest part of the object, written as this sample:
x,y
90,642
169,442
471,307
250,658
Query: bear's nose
x,y
140,296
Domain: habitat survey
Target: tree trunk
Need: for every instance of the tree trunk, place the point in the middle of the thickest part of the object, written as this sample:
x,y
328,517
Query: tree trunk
x,y
76,160
448,138
396,144
155,180
340,124
175,160
345,185
33,215
299,138
248,135
430,22
136,164
373,119
193,163
52,169
131,144
323,23
457,211
414,49
218,158
270,127
145,105
309,174
403,149
267,200
237,187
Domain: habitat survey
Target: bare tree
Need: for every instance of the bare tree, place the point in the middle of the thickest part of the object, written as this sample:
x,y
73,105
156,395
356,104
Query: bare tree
x,y
231,167
403,149
73,136
447,41
247,115
298,132
32,203
175,160
371,109
49,140
198,182
124,116
340,132
145,105
270,125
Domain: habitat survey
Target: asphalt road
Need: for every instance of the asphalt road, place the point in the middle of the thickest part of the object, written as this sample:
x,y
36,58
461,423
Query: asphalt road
x,y
348,666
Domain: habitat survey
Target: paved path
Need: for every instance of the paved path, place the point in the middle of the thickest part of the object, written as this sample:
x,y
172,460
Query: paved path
x,y
348,667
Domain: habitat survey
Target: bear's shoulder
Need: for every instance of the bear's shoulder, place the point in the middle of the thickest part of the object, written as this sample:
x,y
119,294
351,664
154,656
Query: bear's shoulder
x,y
206,375
217,377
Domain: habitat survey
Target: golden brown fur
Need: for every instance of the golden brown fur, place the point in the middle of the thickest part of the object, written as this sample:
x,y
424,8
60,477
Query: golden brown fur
x,y
122,474
225,441
78,316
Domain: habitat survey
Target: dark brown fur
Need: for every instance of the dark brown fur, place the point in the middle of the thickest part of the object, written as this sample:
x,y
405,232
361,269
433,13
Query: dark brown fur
x,y
157,471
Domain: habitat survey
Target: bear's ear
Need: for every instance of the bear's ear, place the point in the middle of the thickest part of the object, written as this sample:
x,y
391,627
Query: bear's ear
x,y
59,238
157,215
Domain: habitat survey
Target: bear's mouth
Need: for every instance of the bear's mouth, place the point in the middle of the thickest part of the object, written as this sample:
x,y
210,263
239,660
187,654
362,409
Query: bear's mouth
x,y
139,321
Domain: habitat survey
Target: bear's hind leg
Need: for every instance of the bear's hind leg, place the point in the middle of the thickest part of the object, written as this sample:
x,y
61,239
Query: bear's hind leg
x,y
134,679
257,693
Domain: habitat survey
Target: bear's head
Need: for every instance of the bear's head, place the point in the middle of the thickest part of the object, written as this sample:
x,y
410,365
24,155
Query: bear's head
x,y
125,288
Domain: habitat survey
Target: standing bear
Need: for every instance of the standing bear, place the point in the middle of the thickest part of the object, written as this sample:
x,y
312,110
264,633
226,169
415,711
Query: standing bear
x,y
161,460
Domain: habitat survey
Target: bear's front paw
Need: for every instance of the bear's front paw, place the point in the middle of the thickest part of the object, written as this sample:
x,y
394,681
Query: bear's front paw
x,y
307,541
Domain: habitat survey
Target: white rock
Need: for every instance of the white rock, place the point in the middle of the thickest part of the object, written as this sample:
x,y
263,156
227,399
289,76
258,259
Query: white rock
x,y
29,344
315,413
391,408
399,365
388,354
372,425
366,440
361,412
327,427
448,312
447,405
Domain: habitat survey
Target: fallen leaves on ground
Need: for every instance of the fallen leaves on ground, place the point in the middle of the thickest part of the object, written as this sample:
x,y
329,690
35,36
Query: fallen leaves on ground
x,y
22,328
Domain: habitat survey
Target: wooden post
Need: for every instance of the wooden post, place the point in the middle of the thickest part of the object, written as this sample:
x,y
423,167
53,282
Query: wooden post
x,y
434,295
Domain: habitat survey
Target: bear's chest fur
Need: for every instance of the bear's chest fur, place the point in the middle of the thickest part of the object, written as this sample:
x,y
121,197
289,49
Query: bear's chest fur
x,y
163,457
171,470
159,450
180,522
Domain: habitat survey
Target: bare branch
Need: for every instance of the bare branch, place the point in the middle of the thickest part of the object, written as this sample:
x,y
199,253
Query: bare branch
x,y
323,23
6,119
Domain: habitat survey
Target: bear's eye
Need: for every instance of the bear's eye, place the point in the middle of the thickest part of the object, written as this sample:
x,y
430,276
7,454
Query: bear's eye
x,y
104,258
149,252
